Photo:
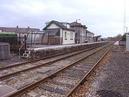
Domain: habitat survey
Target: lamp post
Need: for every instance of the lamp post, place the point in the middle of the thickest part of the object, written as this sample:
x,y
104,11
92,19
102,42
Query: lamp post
x,y
25,38
48,38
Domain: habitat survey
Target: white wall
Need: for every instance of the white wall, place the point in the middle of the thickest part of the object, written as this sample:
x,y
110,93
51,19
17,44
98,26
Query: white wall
x,y
68,35
82,35
90,37
62,34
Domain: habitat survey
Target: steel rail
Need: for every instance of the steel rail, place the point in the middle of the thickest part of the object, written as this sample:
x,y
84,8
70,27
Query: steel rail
x,y
47,63
88,74
31,61
22,63
34,84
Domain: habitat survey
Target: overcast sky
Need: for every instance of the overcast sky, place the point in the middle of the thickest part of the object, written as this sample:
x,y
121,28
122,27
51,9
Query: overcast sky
x,y
103,17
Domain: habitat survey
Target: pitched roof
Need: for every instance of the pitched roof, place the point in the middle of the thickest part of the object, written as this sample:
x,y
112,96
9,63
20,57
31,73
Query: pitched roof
x,y
52,32
60,24
89,32
19,30
97,36
76,24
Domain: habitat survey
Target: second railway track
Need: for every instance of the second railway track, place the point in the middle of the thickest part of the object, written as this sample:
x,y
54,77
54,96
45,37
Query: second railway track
x,y
11,70
24,77
60,82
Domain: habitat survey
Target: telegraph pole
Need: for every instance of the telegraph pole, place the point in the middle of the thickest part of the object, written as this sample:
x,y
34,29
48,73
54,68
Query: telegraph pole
x,y
125,28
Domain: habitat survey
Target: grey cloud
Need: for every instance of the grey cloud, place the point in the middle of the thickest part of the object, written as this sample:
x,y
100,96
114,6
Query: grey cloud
x,y
101,16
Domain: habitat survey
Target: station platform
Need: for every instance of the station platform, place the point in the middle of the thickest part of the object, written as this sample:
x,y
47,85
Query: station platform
x,y
37,52
46,47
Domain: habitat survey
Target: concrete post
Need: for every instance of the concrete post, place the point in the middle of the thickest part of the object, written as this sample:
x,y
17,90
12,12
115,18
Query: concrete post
x,y
4,51
127,42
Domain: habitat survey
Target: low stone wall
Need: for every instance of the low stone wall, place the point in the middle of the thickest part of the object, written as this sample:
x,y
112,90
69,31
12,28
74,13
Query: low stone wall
x,y
47,52
4,51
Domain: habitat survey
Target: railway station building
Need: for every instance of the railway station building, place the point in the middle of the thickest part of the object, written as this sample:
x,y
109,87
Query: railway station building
x,y
66,33
80,32
90,36
58,33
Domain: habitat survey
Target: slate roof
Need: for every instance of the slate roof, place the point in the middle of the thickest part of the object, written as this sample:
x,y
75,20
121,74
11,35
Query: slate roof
x,y
19,30
76,24
87,31
55,32
97,36
60,24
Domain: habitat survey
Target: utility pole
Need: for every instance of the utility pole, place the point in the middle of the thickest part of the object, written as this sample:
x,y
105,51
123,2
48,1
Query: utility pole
x,y
125,28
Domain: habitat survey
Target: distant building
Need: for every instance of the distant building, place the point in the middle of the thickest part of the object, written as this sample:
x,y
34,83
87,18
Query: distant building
x,y
97,38
80,32
58,33
18,30
33,35
89,36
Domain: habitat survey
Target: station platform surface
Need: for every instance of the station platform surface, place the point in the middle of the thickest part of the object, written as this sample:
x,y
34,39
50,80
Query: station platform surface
x,y
46,47
113,79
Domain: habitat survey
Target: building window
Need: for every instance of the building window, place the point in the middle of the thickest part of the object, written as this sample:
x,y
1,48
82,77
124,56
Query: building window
x,y
65,35
71,35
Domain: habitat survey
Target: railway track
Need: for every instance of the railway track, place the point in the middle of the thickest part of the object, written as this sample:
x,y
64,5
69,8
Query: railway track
x,y
63,81
36,60
43,58
19,80
18,68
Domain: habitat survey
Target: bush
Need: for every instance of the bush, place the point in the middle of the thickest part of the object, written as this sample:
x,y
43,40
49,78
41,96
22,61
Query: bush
x,y
124,37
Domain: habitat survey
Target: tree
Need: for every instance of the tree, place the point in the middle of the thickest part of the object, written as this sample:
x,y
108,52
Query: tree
x,y
124,37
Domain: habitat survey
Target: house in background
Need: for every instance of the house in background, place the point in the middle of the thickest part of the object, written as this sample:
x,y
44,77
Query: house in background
x,y
89,36
58,33
80,32
66,33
